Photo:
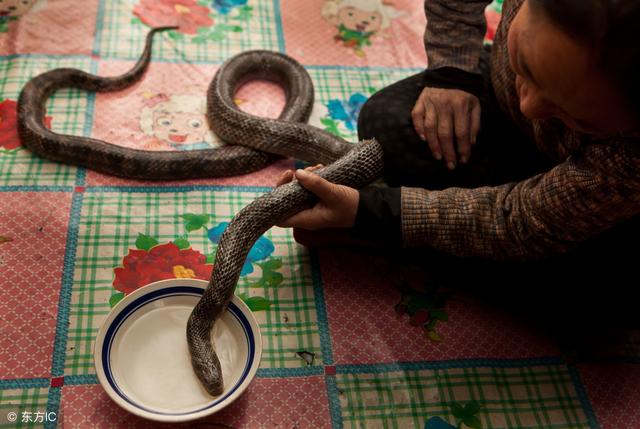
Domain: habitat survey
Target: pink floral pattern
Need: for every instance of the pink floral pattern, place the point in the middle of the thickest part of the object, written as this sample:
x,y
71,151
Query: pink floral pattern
x,y
188,15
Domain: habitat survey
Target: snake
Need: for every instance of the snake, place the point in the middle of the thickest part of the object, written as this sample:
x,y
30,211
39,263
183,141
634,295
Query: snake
x,y
252,143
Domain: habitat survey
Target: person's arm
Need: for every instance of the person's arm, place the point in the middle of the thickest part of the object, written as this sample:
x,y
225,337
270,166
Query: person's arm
x,y
545,214
548,213
447,113
455,33
378,216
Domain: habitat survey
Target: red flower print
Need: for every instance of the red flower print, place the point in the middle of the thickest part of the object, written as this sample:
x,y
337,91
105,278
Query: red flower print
x,y
8,125
187,14
165,261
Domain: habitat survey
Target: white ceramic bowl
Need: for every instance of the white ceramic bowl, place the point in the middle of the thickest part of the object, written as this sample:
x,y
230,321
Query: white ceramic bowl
x,y
143,362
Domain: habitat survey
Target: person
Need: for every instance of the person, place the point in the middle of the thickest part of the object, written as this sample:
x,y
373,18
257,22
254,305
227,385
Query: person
x,y
522,164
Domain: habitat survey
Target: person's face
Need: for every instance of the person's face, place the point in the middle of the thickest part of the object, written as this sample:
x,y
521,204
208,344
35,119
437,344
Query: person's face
x,y
360,20
556,78
179,127
15,7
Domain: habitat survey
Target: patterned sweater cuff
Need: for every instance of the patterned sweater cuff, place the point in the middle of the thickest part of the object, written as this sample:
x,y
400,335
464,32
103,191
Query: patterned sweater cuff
x,y
454,78
417,216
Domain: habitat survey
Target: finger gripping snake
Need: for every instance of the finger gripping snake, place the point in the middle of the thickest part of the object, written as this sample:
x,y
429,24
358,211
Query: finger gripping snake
x,y
255,142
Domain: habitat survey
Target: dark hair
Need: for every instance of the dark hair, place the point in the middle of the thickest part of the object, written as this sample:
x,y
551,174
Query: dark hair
x,y
612,29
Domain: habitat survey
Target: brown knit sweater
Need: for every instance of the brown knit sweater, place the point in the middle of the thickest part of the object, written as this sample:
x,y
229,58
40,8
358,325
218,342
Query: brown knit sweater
x,y
595,185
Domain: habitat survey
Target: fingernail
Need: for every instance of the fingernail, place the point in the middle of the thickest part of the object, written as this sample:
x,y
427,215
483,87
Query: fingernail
x,y
437,156
463,160
301,172
451,165
423,138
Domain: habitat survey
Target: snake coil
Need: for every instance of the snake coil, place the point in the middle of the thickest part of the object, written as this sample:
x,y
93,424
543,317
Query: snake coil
x,y
254,143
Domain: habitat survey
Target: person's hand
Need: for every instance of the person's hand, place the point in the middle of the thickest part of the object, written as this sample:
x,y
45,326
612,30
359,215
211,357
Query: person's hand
x,y
440,115
336,208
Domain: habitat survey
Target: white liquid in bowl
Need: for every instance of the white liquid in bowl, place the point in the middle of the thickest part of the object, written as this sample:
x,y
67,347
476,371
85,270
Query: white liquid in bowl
x,y
151,362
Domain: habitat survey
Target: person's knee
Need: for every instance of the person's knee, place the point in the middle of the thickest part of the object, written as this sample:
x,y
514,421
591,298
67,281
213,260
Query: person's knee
x,y
387,113
385,119
371,117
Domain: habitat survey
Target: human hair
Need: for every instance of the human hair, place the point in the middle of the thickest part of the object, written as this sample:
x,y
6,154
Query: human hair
x,y
611,29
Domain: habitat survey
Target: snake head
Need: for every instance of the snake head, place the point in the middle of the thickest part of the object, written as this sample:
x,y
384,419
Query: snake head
x,y
204,360
209,373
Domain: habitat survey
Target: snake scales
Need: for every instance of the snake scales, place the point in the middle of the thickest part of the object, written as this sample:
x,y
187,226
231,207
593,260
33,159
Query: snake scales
x,y
255,143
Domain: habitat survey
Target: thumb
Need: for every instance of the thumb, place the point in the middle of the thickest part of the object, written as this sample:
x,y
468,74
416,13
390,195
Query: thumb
x,y
305,220
316,184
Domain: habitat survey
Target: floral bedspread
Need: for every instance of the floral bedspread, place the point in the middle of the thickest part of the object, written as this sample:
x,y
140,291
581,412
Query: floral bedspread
x,y
347,341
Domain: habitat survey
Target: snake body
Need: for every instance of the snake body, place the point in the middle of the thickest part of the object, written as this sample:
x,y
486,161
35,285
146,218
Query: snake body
x,y
255,143
114,159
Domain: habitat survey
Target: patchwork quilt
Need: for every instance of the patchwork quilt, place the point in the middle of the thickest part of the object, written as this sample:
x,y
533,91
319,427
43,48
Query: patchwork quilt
x,y
350,340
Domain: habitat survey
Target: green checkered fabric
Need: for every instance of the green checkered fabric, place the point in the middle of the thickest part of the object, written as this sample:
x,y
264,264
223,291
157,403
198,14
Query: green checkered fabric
x,y
107,222
527,397
123,34
24,404
334,84
20,168
67,109
109,226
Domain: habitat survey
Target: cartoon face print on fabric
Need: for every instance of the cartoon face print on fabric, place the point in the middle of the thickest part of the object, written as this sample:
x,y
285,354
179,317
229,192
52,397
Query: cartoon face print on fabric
x,y
11,10
358,21
15,7
178,121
